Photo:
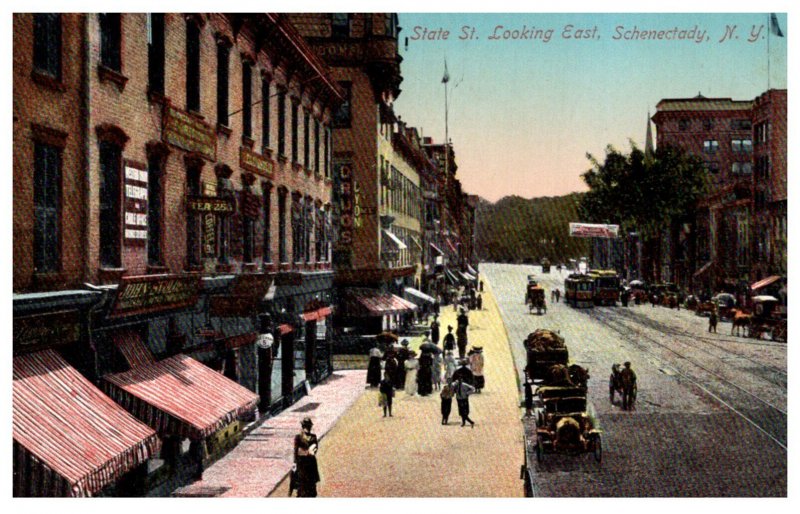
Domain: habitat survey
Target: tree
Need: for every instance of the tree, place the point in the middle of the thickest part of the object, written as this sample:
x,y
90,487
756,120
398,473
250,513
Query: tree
x,y
643,195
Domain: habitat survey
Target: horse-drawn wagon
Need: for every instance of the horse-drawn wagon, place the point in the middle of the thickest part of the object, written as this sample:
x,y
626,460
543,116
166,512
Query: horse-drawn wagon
x,y
534,296
769,317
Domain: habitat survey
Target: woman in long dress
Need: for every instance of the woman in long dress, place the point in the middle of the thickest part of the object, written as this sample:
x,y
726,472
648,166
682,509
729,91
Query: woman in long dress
x,y
437,371
476,365
425,374
411,366
374,367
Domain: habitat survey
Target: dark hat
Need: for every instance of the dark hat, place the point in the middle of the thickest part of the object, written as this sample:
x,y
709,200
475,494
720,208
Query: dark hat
x,y
478,349
627,364
449,327
306,422
404,342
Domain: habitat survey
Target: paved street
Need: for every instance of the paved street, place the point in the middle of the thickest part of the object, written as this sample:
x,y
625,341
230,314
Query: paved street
x,y
711,410
413,455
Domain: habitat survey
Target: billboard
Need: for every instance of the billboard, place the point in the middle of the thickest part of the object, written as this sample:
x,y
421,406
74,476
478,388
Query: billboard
x,y
593,230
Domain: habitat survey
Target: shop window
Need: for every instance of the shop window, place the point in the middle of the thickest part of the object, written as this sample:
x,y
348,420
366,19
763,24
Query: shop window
x,y
247,99
155,53
192,66
223,57
47,44
710,146
342,115
282,124
47,208
110,202
265,114
111,41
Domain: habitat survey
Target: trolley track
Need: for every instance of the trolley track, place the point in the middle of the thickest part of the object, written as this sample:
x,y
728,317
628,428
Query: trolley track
x,y
769,419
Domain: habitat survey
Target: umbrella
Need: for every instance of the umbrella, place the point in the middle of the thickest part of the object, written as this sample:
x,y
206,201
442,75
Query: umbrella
x,y
727,298
429,348
634,283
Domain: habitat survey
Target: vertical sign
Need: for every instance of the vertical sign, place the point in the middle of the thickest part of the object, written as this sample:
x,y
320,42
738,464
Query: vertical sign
x,y
135,205
209,220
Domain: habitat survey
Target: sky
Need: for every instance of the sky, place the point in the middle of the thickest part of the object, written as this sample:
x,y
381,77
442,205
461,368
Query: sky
x,y
524,110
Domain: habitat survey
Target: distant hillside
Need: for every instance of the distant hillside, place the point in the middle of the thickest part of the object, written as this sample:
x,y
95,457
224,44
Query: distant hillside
x,y
518,230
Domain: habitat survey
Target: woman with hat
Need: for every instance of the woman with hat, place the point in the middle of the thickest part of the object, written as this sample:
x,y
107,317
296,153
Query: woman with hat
x,y
374,367
449,366
411,366
400,375
476,365
305,460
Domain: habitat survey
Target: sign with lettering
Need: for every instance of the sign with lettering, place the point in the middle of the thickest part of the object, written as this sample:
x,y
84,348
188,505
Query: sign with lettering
x,y
154,293
341,52
209,204
135,205
593,230
344,179
185,131
254,162
40,331
209,224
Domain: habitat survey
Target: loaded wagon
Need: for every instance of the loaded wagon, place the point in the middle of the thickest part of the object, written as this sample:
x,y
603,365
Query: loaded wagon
x,y
545,349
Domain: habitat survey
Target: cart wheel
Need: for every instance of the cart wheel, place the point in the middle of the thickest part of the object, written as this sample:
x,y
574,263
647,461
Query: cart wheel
x,y
598,449
539,450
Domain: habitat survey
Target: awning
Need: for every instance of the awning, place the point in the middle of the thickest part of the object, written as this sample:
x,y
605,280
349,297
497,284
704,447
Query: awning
x,y
438,250
318,314
472,270
417,296
396,240
180,396
381,304
452,278
130,344
416,242
765,282
703,269
468,277
69,438
452,247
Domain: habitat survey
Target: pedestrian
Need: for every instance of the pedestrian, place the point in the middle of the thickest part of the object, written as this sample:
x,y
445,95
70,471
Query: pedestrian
x,y
480,286
462,391
386,390
449,339
438,304
628,378
411,367
400,374
528,397
476,363
425,374
437,371
712,321
374,366
479,301
463,373
391,365
447,402
305,460
558,295
461,334
449,366
435,329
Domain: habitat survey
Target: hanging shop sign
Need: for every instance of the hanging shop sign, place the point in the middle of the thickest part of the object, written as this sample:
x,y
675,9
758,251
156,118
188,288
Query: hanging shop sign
x,y
41,331
185,131
246,292
210,204
254,162
135,232
154,293
209,224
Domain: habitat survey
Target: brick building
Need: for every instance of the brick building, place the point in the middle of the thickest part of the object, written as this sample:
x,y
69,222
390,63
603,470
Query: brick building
x,y
739,222
179,165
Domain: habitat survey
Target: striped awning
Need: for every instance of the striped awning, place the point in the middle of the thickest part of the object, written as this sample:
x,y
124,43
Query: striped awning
x,y
180,396
132,347
451,245
438,250
372,303
418,297
765,282
400,245
468,277
452,277
70,439
472,270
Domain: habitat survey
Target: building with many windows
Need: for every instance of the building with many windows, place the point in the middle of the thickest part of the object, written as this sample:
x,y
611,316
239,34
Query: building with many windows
x,y
173,187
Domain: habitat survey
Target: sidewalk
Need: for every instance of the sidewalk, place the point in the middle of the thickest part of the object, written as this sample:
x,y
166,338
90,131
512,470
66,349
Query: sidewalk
x,y
264,457
412,454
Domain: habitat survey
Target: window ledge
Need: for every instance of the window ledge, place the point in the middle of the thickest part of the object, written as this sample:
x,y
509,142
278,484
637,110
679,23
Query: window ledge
x,y
156,269
269,267
318,177
110,275
224,268
157,98
248,142
108,75
224,130
250,267
48,81
196,115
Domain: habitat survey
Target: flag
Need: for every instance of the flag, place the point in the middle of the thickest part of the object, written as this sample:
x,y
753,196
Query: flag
x,y
773,27
446,77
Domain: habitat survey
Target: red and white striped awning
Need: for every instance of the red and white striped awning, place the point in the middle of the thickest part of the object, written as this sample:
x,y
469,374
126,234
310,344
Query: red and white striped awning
x,y
132,347
70,439
381,304
764,282
180,396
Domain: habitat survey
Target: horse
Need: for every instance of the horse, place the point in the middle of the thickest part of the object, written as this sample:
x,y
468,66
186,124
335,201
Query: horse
x,y
741,321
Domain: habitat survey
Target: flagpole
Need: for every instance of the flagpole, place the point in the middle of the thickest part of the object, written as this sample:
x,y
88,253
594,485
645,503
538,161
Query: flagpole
x,y
769,31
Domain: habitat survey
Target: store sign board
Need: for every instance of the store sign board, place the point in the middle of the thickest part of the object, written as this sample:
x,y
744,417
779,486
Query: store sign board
x,y
154,293
209,204
40,331
254,162
189,133
593,230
